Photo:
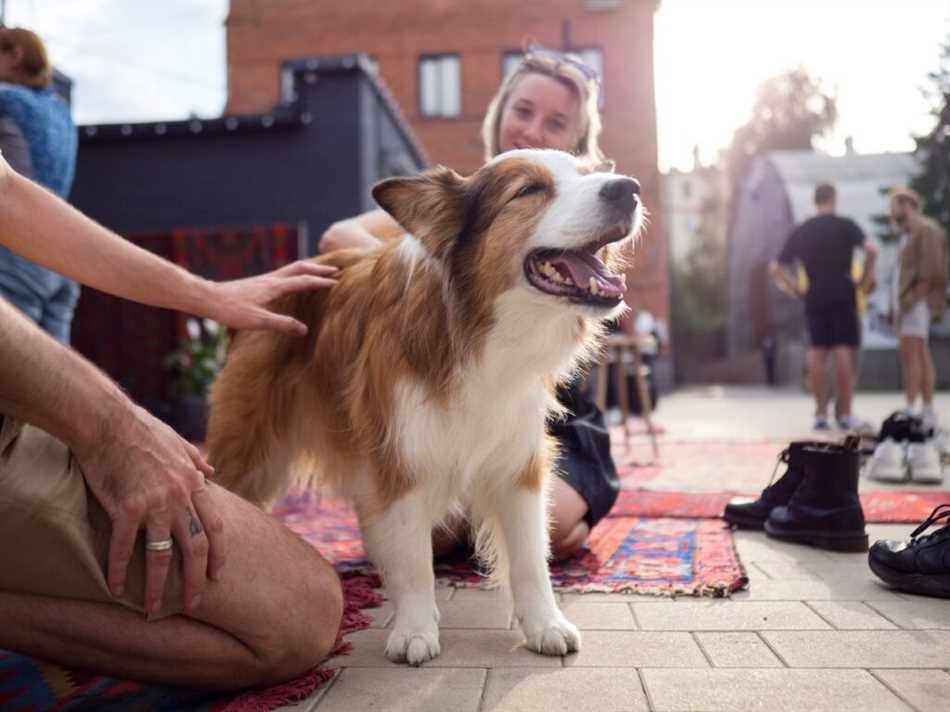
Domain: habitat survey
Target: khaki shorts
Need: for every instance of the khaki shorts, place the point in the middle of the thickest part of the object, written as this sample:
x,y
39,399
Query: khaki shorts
x,y
54,535
915,322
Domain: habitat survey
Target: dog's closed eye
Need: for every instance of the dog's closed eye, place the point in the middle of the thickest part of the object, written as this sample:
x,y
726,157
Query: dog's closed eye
x,y
530,189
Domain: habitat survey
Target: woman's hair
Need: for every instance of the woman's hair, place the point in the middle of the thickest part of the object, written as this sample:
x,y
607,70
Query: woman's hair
x,y
570,71
34,69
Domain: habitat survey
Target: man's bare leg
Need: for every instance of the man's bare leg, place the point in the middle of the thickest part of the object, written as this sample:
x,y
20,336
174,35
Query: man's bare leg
x,y
816,372
844,378
273,615
928,380
911,368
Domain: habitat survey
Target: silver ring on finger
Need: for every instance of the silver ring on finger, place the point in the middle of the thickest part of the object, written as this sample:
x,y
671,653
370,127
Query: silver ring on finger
x,y
161,545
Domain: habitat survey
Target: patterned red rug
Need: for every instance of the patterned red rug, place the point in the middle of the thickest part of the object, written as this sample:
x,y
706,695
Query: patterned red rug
x,y
660,556
28,685
880,506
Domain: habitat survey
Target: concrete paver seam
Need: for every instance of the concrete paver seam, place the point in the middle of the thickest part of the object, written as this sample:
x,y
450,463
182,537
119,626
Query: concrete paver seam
x,y
894,692
771,647
702,649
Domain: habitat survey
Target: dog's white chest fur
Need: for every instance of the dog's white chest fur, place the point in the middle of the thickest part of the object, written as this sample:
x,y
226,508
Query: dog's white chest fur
x,y
490,425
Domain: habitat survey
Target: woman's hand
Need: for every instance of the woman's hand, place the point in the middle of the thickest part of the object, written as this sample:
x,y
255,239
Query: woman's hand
x,y
147,478
245,303
345,234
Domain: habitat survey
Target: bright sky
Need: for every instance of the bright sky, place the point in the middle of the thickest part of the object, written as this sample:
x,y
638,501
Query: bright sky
x,y
142,61
873,55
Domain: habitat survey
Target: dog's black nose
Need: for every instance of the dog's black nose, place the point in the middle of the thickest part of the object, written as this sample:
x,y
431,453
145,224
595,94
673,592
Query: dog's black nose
x,y
622,191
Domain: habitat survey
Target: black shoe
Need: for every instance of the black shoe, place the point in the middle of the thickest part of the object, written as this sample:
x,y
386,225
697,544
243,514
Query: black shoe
x,y
825,510
918,565
901,426
746,513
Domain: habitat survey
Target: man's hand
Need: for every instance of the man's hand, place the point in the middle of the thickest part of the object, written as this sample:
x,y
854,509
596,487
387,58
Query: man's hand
x,y
867,285
245,303
147,478
784,282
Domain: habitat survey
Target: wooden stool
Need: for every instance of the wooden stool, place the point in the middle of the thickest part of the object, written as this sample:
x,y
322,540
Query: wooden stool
x,y
616,350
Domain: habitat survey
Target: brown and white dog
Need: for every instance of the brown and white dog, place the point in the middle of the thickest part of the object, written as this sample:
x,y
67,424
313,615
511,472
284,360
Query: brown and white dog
x,y
427,376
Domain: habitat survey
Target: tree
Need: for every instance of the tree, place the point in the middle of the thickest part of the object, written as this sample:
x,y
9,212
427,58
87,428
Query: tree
x,y
790,110
933,156
933,149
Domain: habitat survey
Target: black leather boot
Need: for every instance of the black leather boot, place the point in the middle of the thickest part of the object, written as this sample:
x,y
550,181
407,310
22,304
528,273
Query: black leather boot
x,y
920,565
746,513
825,510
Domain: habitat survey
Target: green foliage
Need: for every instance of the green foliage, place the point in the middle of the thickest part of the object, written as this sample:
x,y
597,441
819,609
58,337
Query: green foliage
x,y
933,149
199,359
790,110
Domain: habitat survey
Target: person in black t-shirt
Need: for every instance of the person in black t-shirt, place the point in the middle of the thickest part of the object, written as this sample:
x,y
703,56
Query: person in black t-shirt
x,y
824,244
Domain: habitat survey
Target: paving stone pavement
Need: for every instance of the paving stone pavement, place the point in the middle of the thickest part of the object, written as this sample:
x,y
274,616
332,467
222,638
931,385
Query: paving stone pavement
x,y
815,630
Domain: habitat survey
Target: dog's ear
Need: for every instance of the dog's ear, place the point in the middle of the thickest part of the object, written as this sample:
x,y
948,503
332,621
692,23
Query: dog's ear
x,y
423,204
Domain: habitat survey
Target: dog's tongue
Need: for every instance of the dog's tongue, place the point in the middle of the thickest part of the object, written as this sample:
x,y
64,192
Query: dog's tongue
x,y
584,265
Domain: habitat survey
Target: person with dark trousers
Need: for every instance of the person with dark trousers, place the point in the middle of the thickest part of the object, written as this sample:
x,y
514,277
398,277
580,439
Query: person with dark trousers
x,y
824,244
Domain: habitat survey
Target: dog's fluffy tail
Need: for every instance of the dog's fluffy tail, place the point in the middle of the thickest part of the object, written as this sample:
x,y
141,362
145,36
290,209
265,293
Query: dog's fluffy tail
x,y
253,439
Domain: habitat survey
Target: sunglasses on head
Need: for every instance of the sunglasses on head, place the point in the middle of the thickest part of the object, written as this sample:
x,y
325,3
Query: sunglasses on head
x,y
585,69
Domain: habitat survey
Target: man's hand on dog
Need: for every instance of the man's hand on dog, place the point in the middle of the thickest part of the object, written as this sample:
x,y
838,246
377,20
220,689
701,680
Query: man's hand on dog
x,y
245,303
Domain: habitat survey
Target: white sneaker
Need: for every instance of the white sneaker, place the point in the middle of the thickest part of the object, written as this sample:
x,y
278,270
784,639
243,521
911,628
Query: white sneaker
x,y
888,463
849,422
941,441
923,461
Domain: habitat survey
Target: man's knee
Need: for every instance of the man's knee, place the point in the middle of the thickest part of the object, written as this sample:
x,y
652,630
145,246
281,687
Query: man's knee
x,y
305,630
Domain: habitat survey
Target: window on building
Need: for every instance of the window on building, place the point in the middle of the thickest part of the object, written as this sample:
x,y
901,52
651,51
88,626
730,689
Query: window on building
x,y
440,85
509,60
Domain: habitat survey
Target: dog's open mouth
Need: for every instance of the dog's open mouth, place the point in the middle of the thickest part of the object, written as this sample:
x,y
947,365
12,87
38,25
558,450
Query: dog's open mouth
x,y
578,274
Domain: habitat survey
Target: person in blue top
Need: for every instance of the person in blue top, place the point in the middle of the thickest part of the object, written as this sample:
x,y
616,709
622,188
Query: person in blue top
x,y
39,140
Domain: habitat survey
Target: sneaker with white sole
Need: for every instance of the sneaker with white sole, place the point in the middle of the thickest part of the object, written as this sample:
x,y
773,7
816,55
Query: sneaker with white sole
x,y
923,462
849,422
888,463
942,443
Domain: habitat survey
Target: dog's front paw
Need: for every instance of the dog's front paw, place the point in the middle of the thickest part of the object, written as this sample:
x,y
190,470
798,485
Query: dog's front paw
x,y
555,635
412,646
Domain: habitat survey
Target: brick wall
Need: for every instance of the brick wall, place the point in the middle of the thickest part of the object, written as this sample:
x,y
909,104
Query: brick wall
x,y
262,34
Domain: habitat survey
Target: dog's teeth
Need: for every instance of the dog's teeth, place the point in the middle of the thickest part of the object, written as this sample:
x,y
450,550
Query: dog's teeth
x,y
592,283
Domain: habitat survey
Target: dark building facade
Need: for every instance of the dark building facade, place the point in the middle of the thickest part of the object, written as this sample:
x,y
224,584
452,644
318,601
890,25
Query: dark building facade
x,y
307,161
230,197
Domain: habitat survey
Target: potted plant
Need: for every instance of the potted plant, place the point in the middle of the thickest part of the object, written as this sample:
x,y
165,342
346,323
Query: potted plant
x,y
196,364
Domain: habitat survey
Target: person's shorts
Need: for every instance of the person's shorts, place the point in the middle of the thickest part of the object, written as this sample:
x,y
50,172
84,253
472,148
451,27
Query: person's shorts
x,y
585,462
833,325
54,535
916,322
